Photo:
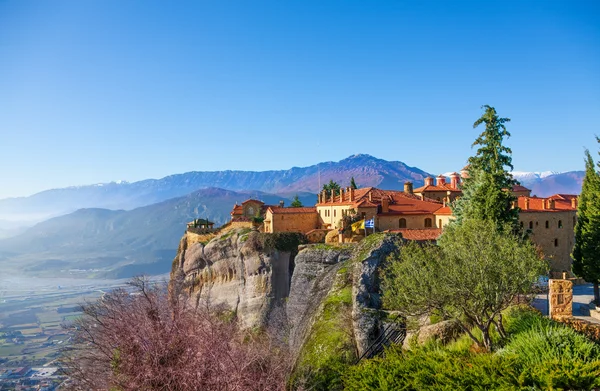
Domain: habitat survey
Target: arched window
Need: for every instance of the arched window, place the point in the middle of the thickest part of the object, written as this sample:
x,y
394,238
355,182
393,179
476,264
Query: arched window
x,y
531,225
547,224
555,242
521,224
402,223
559,223
428,223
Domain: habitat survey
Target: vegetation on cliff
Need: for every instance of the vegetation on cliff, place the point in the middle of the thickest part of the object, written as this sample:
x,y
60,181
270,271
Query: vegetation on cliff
x,y
538,355
147,340
473,274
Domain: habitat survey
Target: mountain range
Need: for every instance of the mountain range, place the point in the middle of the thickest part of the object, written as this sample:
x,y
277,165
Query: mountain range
x,y
120,229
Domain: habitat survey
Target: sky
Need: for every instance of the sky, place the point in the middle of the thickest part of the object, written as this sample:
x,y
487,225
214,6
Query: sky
x,y
103,90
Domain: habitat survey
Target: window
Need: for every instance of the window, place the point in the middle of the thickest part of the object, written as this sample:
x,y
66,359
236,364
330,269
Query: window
x,y
428,223
440,223
531,225
402,223
334,213
555,242
547,224
521,224
574,221
559,223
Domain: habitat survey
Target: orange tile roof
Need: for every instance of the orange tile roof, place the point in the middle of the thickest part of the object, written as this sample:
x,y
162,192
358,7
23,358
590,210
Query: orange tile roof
x,y
566,197
444,211
520,188
280,210
537,205
445,187
421,234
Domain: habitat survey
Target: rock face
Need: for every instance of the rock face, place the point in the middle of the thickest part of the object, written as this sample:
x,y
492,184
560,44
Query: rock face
x,y
229,271
366,303
312,279
310,287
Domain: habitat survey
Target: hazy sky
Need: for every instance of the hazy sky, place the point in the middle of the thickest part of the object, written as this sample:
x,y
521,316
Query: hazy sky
x,y
96,91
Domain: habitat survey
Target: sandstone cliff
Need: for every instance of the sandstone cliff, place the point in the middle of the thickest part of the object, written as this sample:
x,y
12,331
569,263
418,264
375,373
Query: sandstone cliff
x,y
328,296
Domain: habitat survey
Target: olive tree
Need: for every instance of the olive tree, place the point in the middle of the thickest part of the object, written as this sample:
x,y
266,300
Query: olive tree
x,y
474,273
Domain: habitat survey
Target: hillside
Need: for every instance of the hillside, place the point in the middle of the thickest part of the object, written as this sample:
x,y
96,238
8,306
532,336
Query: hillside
x,y
366,169
118,240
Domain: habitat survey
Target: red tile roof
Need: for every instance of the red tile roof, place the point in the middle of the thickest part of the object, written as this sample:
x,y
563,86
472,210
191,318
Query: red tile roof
x,y
518,188
421,234
279,210
442,187
566,197
444,211
537,205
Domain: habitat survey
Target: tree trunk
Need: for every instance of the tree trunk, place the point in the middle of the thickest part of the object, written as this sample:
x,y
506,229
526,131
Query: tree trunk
x,y
596,293
487,341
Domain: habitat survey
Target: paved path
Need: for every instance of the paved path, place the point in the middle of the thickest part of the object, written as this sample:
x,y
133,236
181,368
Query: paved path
x,y
582,295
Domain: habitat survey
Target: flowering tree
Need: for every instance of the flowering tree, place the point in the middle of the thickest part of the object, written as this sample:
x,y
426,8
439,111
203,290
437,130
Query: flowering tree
x,y
145,340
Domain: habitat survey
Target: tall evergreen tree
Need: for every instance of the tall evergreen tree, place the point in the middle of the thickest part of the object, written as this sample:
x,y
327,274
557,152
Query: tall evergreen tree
x,y
332,186
353,184
586,251
487,191
296,203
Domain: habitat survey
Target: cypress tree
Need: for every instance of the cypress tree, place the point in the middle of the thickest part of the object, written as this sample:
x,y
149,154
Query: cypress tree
x,y
586,251
353,183
487,191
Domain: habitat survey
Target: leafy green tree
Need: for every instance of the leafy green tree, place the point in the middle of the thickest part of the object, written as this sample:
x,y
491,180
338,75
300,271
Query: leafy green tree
x,y
353,184
332,186
296,203
474,273
586,251
486,192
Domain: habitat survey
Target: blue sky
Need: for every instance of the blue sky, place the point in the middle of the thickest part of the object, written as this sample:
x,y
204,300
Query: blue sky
x,y
95,91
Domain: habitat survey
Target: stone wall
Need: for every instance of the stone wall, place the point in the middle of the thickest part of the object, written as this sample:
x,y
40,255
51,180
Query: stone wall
x,y
560,298
385,223
556,243
292,222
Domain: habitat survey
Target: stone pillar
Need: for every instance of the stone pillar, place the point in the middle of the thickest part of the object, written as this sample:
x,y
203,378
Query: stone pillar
x,y
560,298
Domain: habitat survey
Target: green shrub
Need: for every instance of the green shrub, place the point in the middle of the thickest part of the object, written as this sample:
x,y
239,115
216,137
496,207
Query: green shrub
x,y
432,367
540,354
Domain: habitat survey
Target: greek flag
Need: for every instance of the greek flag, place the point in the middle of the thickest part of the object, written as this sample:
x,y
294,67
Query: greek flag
x,y
370,223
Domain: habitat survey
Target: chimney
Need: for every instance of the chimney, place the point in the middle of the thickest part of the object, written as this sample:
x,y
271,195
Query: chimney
x,y
544,203
332,195
385,204
341,195
370,196
440,180
526,203
429,181
454,180
408,187
574,203
351,194
550,204
323,196
281,204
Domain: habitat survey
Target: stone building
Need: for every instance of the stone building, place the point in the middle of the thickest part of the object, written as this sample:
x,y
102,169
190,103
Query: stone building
x,y
281,219
390,209
550,223
419,214
441,191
